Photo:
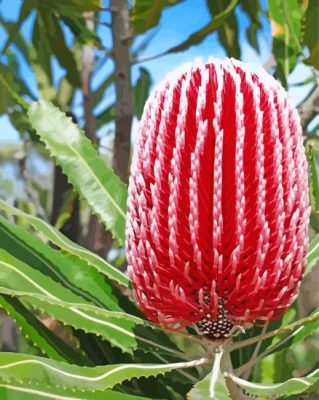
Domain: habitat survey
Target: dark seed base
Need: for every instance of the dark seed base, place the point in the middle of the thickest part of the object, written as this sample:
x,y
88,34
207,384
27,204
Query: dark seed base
x,y
216,328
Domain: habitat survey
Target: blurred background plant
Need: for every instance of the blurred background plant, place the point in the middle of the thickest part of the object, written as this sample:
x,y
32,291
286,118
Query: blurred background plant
x,y
97,61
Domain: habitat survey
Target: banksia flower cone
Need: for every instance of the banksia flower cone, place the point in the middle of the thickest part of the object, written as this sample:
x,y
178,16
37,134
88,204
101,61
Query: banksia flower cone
x,y
218,200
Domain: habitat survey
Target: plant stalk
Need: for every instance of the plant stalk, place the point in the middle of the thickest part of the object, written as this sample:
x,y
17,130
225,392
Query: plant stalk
x,y
121,33
246,367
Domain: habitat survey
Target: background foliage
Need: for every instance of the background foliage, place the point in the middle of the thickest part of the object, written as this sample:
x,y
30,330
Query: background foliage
x,y
62,274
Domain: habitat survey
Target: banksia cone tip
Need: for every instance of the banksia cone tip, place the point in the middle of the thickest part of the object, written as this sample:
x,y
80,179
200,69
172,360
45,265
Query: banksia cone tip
x,y
218,200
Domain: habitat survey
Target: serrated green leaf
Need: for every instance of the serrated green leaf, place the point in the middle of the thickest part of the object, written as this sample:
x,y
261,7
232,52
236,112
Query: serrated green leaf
x,y
39,335
86,170
60,379
71,271
146,15
16,274
14,391
313,253
290,387
122,330
66,245
59,303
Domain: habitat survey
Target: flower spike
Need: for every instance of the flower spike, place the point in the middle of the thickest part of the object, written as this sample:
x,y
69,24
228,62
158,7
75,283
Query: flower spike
x,y
218,200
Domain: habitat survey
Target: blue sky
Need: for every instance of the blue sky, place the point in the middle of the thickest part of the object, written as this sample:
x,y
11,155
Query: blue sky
x,y
176,24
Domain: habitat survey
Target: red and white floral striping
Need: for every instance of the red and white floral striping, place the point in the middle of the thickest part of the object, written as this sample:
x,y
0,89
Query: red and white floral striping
x,y
218,200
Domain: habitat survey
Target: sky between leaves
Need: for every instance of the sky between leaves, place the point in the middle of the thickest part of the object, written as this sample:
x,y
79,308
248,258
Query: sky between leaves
x,y
176,24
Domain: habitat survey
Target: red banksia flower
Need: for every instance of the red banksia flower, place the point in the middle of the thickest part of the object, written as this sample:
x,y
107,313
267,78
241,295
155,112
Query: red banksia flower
x,y
218,200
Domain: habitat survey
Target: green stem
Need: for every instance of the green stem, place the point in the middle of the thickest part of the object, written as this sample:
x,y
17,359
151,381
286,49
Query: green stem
x,y
246,367
280,331
256,350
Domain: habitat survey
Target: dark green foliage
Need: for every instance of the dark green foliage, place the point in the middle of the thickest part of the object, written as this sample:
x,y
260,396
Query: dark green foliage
x,y
76,309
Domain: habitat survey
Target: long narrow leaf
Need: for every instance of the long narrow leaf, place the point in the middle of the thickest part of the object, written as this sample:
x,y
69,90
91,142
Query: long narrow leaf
x,y
60,379
66,245
288,388
100,91
146,15
41,292
18,276
310,37
313,253
24,12
285,17
200,35
121,330
228,30
86,170
141,91
40,336
70,271
58,46
13,86
314,177
18,391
